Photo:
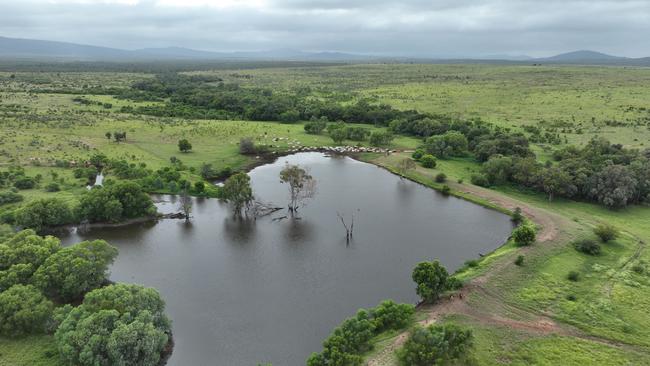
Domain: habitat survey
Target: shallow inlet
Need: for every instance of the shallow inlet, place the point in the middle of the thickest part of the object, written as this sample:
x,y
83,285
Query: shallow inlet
x,y
249,292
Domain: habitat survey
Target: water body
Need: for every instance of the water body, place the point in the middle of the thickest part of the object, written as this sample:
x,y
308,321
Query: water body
x,y
249,292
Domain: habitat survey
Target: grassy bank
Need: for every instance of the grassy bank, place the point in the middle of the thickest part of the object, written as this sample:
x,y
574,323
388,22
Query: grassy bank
x,y
601,317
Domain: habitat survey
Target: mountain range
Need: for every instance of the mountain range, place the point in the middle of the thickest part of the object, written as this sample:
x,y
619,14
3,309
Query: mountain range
x,y
16,48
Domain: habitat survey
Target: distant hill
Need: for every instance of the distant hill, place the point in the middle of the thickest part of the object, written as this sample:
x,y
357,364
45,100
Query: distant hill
x,y
16,48
583,56
30,48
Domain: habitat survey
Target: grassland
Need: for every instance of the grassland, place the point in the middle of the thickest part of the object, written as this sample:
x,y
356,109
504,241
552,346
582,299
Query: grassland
x,y
600,319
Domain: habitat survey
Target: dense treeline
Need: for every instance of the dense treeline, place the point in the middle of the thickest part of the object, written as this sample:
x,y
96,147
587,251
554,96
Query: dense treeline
x,y
205,97
602,172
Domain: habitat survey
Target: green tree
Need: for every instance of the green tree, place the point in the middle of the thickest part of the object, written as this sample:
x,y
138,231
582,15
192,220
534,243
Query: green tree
x,y
238,192
431,279
184,145
452,143
23,310
72,271
44,213
381,138
435,345
614,186
315,127
524,235
302,186
556,181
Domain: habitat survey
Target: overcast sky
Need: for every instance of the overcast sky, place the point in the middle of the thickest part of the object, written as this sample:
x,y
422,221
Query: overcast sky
x,y
406,27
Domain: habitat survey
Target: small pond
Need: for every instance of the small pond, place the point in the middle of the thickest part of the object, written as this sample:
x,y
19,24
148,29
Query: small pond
x,y
248,292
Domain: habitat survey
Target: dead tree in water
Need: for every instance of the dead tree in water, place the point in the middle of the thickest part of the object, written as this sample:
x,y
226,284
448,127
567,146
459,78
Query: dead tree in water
x,y
348,230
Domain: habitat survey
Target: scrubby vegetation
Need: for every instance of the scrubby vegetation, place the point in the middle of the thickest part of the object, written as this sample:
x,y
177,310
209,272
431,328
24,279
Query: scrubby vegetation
x,y
354,336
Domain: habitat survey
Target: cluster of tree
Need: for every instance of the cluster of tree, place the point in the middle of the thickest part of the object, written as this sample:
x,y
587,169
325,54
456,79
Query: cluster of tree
x,y
116,202
64,274
114,325
126,323
167,179
602,172
44,213
350,339
435,345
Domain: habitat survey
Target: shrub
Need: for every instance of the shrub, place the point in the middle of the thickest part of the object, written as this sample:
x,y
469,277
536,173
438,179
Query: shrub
x,y
571,297
199,187
25,183
53,187
435,345
315,127
23,310
428,161
72,271
587,246
446,190
390,315
524,235
441,178
247,146
43,213
517,216
126,323
606,232
480,180
471,263
10,197
573,276
417,154
520,260
431,279
638,268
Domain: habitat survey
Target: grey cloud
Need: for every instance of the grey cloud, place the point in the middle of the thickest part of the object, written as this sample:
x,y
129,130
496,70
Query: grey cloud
x,y
412,27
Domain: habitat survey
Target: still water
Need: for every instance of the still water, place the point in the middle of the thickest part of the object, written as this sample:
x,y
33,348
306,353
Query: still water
x,y
248,292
